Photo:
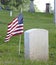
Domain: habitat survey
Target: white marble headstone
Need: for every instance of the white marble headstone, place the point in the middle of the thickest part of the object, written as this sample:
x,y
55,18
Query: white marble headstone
x,y
36,44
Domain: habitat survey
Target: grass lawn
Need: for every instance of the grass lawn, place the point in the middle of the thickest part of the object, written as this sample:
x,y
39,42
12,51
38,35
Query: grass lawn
x,y
9,54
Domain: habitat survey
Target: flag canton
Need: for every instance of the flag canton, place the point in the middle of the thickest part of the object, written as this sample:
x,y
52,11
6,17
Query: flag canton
x,y
20,19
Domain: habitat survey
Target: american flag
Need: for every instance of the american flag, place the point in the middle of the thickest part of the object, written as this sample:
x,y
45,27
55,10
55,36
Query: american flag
x,y
15,27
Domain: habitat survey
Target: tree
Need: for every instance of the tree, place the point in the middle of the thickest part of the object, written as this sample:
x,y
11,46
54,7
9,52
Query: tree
x,y
17,3
32,6
5,2
14,4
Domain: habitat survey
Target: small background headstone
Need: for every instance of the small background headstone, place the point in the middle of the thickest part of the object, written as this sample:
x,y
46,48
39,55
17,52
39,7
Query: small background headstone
x,y
0,8
47,7
11,13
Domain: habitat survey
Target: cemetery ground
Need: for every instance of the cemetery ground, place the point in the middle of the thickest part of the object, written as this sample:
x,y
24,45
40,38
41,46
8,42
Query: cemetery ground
x,y
9,52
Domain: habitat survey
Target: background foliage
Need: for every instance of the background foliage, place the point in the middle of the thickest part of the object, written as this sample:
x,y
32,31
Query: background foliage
x,y
14,4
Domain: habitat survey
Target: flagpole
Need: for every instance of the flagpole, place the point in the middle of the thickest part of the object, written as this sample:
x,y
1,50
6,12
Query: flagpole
x,y
21,9
20,38
19,44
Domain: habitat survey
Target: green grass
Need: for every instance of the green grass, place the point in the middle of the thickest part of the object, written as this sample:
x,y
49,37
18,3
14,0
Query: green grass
x,y
9,54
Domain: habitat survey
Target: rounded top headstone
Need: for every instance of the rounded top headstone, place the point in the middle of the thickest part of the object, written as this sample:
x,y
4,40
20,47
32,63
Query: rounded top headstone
x,y
35,29
47,3
36,44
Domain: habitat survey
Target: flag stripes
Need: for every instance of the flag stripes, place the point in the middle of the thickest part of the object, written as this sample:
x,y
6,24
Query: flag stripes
x,y
15,27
